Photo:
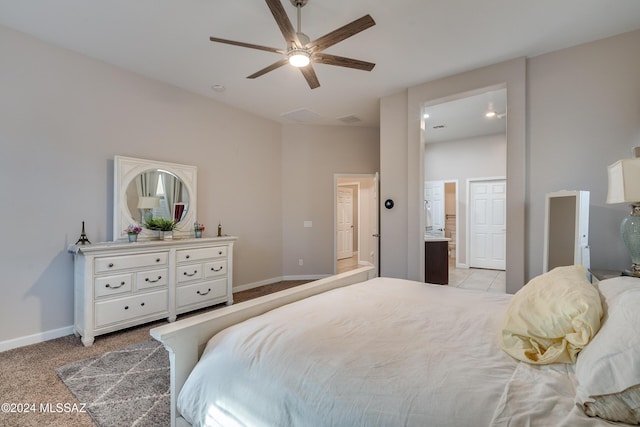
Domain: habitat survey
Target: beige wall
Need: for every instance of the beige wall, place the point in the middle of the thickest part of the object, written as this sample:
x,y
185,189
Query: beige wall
x,y
402,174
461,160
64,116
582,114
311,157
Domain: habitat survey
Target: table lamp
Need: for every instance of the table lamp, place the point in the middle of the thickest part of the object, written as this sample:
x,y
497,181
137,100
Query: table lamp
x,y
146,204
624,187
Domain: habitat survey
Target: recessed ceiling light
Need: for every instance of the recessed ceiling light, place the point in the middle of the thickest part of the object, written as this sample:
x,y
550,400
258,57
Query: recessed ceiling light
x,y
218,88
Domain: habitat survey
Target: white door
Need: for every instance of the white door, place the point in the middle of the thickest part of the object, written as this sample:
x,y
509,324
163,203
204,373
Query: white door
x,y
434,207
488,224
345,222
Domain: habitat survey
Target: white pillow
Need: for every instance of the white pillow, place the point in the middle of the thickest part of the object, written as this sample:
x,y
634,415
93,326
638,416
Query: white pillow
x,y
608,369
552,317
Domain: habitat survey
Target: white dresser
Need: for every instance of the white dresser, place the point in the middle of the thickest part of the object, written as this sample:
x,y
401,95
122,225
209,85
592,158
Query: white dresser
x,y
121,284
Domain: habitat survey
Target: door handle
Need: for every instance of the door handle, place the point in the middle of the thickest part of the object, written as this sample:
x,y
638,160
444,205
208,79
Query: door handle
x,y
375,235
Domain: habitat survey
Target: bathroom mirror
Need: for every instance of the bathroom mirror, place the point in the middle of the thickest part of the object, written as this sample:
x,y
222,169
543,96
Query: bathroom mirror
x,y
145,188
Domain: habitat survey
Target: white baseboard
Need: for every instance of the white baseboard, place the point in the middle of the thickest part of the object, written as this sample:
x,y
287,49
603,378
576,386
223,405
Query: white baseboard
x,y
35,338
248,286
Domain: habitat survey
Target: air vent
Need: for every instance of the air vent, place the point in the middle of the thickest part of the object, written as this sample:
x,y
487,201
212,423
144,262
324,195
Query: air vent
x,y
349,119
302,116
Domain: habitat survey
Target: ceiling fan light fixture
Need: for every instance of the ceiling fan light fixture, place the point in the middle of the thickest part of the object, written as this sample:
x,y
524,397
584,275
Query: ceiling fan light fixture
x,y
299,58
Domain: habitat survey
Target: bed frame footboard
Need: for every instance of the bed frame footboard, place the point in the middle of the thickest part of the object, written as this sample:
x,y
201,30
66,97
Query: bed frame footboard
x,y
185,340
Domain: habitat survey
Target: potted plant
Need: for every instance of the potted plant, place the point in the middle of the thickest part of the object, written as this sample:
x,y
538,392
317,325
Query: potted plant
x,y
132,232
162,225
198,229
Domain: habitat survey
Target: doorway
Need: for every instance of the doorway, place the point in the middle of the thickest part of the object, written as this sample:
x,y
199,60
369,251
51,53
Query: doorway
x,y
463,142
356,235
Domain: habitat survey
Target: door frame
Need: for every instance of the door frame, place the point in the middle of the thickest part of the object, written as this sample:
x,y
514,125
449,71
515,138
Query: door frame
x,y
469,213
357,209
456,182
374,210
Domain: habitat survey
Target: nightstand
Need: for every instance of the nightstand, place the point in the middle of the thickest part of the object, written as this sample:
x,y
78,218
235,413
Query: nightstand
x,y
599,274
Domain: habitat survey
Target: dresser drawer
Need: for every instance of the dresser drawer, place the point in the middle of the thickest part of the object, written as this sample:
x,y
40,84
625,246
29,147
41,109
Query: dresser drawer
x,y
115,263
189,273
152,278
112,285
215,268
186,255
123,309
201,292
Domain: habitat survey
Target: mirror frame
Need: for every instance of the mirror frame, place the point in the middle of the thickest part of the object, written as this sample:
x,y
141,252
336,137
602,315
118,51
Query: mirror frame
x,y
125,170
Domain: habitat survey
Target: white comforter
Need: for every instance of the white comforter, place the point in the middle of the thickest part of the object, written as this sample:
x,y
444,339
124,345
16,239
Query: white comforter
x,y
386,352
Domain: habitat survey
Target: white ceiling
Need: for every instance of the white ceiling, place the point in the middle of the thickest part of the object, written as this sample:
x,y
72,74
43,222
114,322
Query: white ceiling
x,y
414,41
466,117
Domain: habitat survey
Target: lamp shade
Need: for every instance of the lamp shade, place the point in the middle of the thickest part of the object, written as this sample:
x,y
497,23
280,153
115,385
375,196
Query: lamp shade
x,y
624,181
148,202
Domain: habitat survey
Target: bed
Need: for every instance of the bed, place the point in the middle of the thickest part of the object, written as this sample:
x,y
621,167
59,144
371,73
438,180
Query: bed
x,y
357,350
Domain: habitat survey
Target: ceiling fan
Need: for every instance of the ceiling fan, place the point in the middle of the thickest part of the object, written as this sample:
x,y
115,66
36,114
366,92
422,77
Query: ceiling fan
x,y
300,51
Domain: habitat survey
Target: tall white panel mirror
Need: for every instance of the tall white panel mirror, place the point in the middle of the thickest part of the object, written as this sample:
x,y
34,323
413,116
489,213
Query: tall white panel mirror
x,y
566,229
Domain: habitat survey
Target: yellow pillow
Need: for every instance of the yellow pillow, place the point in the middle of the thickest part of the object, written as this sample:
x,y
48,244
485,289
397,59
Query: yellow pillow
x,y
552,317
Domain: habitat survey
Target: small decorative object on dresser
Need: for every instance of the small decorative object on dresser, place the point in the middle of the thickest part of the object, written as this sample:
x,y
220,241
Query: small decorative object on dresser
x,y
118,285
83,237
132,232
198,229
161,225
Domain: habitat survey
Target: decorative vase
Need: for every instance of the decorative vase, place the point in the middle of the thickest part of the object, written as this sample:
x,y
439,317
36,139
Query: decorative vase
x,y
132,237
160,235
198,233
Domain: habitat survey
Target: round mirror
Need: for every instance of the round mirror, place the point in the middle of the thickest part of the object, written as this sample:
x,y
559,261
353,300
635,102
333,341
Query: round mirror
x,y
145,189
157,193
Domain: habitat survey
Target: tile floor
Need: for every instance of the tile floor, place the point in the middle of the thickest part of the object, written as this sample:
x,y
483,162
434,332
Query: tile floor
x,y
477,278
466,278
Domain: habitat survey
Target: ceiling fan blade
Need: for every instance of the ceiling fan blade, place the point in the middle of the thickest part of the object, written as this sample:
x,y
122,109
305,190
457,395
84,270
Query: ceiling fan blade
x,y
249,45
310,75
271,67
286,28
341,33
340,61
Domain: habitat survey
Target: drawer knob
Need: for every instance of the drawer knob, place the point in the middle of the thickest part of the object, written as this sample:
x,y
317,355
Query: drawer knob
x,y
126,307
153,281
110,264
203,293
214,269
142,304
157,259
115,287
192,274
220,253
188,256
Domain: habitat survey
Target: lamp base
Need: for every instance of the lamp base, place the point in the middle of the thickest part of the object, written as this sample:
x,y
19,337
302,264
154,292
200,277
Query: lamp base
x,y
630,232
630,273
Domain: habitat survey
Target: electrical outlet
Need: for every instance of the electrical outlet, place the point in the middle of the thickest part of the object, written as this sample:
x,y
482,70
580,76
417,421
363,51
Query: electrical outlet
x,y
300,261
